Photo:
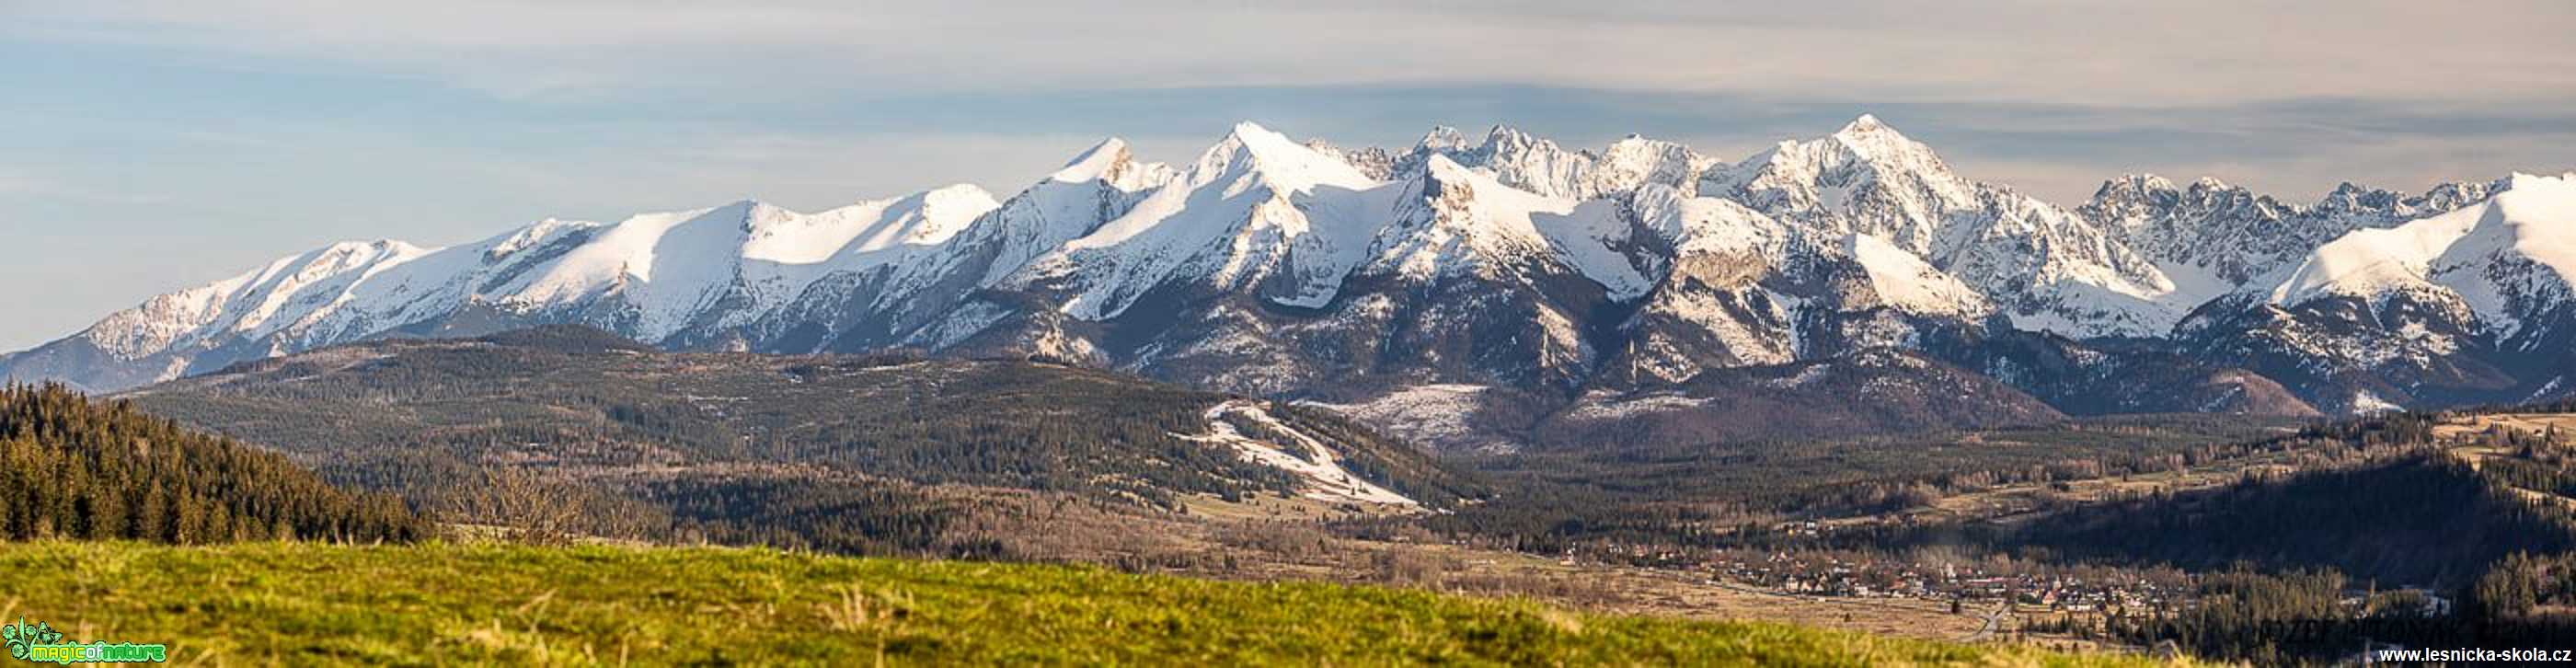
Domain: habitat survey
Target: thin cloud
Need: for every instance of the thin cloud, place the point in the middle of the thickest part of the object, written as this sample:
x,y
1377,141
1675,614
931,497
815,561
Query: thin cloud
x,y
2188,52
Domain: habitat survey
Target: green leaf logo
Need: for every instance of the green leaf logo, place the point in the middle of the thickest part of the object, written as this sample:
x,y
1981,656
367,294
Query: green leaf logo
x,y
22,637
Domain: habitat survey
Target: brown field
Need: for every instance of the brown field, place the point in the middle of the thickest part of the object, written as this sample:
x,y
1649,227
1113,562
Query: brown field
x,y
2465,429
1273,538
1268,537
2531,423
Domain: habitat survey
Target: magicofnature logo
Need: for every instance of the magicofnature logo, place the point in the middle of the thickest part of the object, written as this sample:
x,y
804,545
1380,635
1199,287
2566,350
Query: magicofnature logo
x,y
40,643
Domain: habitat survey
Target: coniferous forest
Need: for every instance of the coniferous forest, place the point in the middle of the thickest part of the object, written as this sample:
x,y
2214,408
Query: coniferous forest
x,y
573,431
74,467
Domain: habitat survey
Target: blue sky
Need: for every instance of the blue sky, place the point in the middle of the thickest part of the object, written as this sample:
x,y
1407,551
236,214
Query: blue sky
x,y
152,146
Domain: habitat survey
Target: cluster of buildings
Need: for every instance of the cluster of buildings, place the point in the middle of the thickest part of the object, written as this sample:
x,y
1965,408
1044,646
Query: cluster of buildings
x,y
1842,576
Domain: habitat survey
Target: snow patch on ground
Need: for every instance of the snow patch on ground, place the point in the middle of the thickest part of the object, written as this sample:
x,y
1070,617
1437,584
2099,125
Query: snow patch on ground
x,y
1621,409
1421,414
1907,283
1308,458
1804,376
2365,403
2543,392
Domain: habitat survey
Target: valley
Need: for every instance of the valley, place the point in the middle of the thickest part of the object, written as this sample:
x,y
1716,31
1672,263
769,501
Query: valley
x,y
2001,532
641,447
2056,533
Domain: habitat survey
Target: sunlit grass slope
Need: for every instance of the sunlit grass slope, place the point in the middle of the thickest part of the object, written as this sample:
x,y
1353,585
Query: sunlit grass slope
x,y
302,604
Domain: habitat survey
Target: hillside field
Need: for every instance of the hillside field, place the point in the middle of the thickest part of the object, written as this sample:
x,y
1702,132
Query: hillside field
x,y
444,603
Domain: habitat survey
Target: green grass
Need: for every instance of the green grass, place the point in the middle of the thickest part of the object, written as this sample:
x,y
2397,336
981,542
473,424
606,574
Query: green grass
x,y
302,604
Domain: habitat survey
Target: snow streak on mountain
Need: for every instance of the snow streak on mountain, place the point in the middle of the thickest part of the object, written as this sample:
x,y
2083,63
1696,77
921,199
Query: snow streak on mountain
x,y
1285,268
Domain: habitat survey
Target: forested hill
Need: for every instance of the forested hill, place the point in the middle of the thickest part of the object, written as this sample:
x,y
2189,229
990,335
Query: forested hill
x,y
73,467
2421,499
2419,520
702,434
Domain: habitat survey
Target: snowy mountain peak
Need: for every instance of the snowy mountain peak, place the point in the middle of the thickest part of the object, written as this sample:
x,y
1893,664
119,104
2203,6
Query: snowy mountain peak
x,y
2546,202
1109,154
1504,134
2134,187
2349,198
1469,222
1441,168
1291,166
1865,177
1456,195
1815,172
1535,164
1638,142
2055,270
2502,261
1866,123
933,216
922,219
1441,138
2224,237
958,194
1636,161
1877,142
2141,191
756,214
1255,206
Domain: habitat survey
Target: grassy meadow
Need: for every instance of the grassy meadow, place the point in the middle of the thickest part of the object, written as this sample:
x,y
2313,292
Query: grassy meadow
x,y
448,603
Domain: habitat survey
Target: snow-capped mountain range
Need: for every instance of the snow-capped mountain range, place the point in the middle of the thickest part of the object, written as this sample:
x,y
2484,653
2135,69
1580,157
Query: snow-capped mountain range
x,y
1298,269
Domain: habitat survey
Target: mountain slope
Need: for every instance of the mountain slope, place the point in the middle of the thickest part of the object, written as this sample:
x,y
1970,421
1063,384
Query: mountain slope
x,y
1871,391
595,407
